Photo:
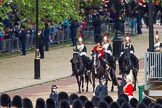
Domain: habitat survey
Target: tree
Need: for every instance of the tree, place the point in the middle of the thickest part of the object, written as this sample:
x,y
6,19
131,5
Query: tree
x,y
49,10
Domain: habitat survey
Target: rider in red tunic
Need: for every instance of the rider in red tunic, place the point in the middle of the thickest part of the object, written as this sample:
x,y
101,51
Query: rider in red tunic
x,y
100,51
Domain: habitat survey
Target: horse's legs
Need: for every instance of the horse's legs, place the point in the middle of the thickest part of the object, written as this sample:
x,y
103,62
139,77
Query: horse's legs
x,y
87,80
112,87
93,78
82,81
135,78
78,81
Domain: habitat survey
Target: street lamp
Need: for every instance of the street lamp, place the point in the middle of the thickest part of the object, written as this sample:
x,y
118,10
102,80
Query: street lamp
x,y
37,59
151,32
117,40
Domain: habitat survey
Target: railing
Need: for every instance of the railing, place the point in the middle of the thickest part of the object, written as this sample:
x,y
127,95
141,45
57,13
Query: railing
x,y
153,67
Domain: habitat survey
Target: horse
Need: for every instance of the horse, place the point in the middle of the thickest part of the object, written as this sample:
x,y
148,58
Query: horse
x,y
79,71
127,66
98,71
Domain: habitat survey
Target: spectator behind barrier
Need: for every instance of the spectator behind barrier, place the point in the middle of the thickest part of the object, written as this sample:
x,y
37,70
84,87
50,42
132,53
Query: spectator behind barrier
x,y
17,102
124,96
146,101
40,103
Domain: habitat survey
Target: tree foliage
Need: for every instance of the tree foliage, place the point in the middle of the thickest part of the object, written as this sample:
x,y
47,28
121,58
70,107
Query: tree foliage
x,y
49,10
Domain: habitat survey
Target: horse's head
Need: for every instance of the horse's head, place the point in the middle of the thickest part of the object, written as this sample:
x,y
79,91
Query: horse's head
x,y
95,58
127,59
76,58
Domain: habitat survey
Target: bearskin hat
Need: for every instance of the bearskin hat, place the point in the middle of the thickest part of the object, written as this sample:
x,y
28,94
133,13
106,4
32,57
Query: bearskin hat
x,y
114,105
133,102
102,104
83,99
141,105
108,99
63,95
146,101
40,103
5,100
159,100
72,97
77,104
121,100
17,101
88,104
95,100
124,96
125,105
50,103
27,103
64,104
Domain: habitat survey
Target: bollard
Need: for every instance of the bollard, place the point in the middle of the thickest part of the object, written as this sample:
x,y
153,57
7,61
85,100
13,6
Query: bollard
x,y
140,92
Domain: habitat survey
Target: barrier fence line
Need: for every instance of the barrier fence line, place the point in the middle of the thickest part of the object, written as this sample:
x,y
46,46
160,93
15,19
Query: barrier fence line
x,y
153,66
11,45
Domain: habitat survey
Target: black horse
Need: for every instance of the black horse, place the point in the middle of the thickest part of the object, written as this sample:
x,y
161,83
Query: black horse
x,y
79,71
127,65
98,71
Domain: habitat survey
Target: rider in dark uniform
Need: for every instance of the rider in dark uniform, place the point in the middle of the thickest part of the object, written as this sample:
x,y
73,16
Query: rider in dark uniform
x,y
82,49
129,46
107,49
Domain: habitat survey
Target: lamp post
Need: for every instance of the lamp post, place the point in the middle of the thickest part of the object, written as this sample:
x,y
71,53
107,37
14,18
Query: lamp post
x,y
37,59
117,40
151,32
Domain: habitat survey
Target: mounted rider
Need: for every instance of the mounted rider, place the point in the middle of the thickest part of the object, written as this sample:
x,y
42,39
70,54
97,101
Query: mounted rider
x,y
107,49
98,48
82,49
128,46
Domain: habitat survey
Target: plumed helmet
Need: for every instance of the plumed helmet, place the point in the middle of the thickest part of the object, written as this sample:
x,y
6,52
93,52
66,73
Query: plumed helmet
x,y
80,39
127,38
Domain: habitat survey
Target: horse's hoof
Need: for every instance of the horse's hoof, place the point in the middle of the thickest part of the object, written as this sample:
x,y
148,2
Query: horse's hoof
x,y
134,89
82,90
79,92
86,90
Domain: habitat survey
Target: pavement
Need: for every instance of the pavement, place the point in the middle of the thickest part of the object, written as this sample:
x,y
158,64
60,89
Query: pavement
x,y
18,72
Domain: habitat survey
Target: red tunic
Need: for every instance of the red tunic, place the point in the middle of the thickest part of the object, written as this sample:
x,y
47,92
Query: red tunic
x,y
100,50
129,89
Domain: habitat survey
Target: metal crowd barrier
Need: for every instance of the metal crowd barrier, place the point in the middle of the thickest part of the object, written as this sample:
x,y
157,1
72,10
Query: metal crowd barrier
x,y
11,45
153,66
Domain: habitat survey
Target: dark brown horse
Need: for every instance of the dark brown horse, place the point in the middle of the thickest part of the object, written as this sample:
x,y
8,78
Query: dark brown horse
x,y
98,71
79,71
128,65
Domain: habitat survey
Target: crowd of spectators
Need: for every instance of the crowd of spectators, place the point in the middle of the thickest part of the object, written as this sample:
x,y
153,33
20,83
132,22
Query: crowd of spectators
x,y
75,101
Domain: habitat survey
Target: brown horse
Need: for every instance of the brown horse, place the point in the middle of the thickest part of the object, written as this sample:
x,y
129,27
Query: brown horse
x,y
79,71
127,66
98,71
